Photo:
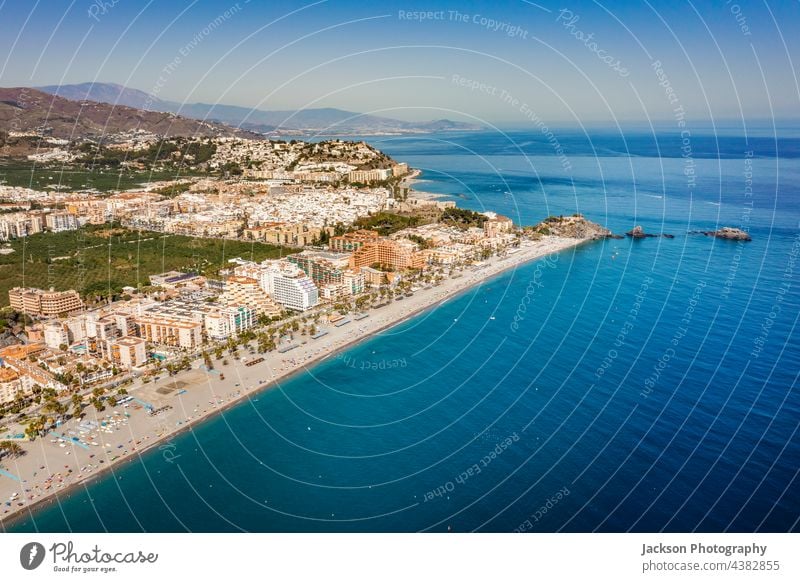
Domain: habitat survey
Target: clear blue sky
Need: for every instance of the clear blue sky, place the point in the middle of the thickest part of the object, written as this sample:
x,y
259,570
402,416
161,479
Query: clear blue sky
x,y
721,59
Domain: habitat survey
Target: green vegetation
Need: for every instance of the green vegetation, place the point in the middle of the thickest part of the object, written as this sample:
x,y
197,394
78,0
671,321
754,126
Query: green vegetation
x,y
462,217
11,449
423,243
386,223
68,178
173,189
99,261
176,150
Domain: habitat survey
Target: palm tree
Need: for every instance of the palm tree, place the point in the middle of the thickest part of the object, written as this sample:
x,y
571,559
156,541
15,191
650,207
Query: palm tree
x,y
11,449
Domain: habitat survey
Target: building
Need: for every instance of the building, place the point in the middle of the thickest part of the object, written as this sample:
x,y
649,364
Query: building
x,y
373,277
103,328
229,321
367,176
173,279
285,234
352,241
289,286
129,352
55,335
174,323
353,282
247,291
19,224
324,268
61,221
11,386
18,359
170,331
44,303
497,225
396,255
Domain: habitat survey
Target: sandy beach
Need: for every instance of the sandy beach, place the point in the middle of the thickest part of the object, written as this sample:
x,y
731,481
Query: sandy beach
x,y
56,463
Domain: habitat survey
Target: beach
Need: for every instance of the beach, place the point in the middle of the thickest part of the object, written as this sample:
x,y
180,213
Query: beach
x,y
81,449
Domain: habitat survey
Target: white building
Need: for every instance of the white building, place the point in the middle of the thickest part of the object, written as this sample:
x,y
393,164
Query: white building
x,y
353,282
55,335
286,283
229,321
61,221
289,286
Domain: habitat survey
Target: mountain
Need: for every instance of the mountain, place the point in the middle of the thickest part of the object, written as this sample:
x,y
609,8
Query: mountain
x,y
323,120
107,93
25,109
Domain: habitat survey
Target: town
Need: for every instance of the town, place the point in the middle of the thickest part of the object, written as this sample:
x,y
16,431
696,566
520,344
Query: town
x,y
350,233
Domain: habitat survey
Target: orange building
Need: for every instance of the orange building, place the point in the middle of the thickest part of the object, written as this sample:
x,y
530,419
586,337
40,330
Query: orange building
x,y
397,255
352,241
45,303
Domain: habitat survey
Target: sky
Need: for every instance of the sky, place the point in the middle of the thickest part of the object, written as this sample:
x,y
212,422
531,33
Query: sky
x,y
511,62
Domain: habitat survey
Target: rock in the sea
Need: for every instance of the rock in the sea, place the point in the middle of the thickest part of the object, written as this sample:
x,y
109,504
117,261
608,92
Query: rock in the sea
x,y
638,232
730,233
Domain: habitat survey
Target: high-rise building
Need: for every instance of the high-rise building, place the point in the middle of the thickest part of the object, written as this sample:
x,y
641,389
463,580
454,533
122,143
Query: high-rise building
x,y
289,286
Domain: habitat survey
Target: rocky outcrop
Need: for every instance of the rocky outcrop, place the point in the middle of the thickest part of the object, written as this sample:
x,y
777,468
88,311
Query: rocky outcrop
x,y
729,233
575,226
638,232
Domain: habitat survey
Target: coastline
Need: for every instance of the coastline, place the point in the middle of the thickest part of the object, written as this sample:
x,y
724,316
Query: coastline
x,y
201,387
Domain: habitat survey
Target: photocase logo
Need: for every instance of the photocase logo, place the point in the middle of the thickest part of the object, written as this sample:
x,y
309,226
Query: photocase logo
x,y
31,555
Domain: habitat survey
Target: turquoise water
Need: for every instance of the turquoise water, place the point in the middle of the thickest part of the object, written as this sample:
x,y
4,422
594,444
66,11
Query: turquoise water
x,y
624,385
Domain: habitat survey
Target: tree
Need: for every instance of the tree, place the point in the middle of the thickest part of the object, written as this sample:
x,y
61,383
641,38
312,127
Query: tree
x,y
11,449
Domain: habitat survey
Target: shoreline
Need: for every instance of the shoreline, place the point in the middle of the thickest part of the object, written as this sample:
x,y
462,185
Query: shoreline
x,y
339,340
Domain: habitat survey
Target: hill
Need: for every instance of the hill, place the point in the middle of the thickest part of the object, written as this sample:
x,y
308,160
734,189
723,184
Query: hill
x,y
28,110
330,121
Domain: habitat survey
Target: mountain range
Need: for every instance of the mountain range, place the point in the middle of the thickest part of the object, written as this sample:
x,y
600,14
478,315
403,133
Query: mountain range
x,y
326,121
23,109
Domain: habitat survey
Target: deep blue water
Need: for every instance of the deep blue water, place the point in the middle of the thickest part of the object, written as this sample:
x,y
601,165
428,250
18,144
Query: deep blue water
x,y
688,422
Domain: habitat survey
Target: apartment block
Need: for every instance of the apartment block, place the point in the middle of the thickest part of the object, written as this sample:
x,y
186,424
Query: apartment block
x,y
129,352
366,176
352,241
247,291
61,221
396,255
44,303
229,321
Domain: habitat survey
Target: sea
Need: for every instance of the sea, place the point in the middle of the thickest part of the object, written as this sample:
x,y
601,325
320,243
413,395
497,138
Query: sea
x,y
625,385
